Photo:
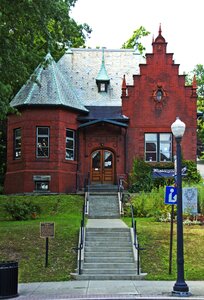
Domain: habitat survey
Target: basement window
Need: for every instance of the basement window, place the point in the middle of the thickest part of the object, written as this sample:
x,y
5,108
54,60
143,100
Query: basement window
x,y
42,186
42,183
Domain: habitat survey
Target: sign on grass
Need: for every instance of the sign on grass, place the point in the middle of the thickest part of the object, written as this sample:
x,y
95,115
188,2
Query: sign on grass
x,y
190,200
47,229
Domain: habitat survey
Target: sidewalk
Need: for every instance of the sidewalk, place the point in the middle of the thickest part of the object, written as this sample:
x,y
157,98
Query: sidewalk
x,y
113,289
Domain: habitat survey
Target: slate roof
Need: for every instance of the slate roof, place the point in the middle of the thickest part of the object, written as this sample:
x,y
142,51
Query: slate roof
x,y
48,86
104,112
81,67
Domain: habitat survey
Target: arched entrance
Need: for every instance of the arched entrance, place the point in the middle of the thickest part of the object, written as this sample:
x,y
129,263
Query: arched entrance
x,y
102,166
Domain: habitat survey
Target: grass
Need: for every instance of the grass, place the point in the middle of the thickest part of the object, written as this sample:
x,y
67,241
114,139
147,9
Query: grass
x,y
21,241
154,237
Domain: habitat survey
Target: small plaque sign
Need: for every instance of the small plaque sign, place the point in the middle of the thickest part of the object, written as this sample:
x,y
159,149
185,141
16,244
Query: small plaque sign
x,y
47,230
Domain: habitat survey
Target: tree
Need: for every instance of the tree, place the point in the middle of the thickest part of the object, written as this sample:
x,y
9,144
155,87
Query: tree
x,y
28,30
199,73
133,42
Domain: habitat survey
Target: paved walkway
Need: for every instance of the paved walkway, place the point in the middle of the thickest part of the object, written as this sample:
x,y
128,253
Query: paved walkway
x,y
113,289
105,223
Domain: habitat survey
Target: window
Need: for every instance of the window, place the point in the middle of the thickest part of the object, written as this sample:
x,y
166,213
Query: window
x,y
42,150
42,186
102,86
159,95
158,147
70,144
17,143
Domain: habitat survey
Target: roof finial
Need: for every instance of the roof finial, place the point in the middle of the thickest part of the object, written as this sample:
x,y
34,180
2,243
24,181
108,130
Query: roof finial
x,y
160,31
124,83
194,87
124,87
194,84
102,74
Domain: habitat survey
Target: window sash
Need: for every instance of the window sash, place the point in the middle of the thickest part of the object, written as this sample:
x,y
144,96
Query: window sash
x,y
70,145
42,186
17,143
42,147
158,147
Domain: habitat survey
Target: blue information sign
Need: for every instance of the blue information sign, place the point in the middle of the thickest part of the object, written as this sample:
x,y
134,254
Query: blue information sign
x,y
170,195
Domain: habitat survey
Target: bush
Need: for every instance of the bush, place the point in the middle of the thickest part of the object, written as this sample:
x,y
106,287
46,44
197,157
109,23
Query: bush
x,y
140,179
21,210
149,204
192,175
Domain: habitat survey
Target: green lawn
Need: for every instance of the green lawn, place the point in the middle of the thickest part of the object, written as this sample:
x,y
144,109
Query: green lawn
x,y
154,237
20,240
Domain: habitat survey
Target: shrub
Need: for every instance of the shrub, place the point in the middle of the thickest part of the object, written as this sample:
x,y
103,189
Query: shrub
x,y
192,175
140,179
150,204
21,210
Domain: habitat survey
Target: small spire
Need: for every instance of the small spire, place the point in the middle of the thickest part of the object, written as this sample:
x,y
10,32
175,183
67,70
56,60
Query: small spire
x,y
194,87
124,83
194,83
160,31
124,87
102,74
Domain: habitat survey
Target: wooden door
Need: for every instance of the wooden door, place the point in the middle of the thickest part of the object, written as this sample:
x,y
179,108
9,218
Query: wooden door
x,y
102,167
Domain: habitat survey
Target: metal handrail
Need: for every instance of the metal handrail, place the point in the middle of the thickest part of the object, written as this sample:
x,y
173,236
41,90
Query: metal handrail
x,y
135,239
120,194
81,241
82,227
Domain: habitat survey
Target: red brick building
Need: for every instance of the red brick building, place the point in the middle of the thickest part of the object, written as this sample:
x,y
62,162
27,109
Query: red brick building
x,y
91,113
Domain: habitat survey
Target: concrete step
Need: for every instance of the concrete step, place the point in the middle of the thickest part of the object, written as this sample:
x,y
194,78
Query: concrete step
x,y
109,271
108,235
110,259
113,238
107,229
105,244
107,266
106,249
104,206
103,188
121,254
104,216
127,276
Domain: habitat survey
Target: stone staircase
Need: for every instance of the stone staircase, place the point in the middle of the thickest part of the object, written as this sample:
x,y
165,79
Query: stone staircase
x,y
108,252
103,205
109,255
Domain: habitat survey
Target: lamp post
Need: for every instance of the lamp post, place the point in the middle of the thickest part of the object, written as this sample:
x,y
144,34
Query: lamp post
x,y
180,287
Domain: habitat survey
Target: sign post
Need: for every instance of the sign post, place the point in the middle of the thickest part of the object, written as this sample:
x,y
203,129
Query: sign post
x,y
47,230
171,198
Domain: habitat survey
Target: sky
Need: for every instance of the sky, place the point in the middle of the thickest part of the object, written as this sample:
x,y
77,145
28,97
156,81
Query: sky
x,y
114,21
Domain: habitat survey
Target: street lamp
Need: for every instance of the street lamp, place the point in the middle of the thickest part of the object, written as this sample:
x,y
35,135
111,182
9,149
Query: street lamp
x,y
180,287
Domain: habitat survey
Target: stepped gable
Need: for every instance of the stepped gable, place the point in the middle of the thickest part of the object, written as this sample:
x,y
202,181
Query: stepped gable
x,y
47,86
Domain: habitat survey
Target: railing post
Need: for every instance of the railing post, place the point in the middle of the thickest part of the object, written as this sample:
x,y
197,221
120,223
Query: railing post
x,y
138,259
